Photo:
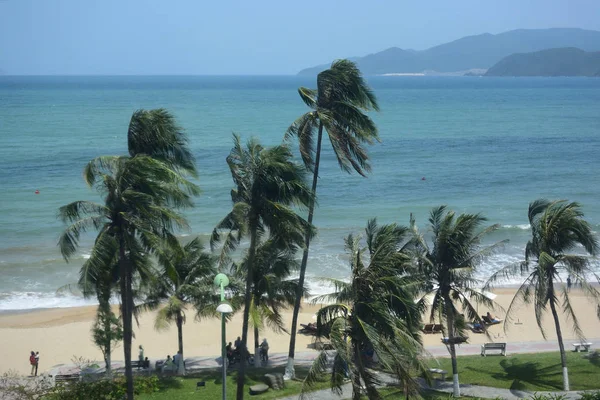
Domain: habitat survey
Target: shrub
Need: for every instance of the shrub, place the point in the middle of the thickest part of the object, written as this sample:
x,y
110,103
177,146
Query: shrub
x,y
106,389
590,395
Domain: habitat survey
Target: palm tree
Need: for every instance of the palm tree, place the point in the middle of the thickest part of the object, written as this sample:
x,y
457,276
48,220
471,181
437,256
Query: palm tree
x,y
557,227
272,290
373,313
186,280
448,266
267,184
140,193
337,106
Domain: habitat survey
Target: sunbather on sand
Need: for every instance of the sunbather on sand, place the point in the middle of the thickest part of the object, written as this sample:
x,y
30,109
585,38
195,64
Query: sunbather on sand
x,y
492,318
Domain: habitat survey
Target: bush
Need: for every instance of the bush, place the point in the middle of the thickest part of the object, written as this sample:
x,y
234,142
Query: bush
x,y
590,395
103,389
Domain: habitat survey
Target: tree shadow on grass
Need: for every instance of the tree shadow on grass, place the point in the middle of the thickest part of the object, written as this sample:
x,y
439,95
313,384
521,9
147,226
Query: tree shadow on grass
x,y
524,375
594,358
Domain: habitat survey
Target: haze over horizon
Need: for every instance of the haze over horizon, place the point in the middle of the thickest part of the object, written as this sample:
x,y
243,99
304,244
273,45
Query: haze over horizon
x,y
151,37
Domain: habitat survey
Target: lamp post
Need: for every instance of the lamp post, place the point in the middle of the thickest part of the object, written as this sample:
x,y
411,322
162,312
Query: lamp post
x,y
222,281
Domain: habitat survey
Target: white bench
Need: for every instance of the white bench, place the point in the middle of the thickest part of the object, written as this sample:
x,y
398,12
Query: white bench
x,y
585,346
441,372
493,346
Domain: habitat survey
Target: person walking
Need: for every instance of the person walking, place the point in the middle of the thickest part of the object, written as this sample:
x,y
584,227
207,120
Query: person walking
x,y
32,362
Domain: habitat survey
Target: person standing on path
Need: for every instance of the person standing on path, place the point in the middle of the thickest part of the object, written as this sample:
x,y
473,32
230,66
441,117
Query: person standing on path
x,y
37,362
141,357
32,362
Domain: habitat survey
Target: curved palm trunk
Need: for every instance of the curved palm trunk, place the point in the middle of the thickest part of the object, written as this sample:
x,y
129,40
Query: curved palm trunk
x,y
247,302
290,372
561,346
452,347
126,312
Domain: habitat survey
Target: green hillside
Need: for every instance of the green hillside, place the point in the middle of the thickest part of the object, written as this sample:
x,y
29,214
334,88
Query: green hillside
x,y
568,61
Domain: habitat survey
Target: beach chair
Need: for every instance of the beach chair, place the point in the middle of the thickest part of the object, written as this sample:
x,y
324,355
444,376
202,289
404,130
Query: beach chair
x,y
488,321
308,329
438,328
427,328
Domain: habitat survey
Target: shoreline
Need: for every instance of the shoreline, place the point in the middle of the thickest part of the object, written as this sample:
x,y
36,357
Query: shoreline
x,y
61,334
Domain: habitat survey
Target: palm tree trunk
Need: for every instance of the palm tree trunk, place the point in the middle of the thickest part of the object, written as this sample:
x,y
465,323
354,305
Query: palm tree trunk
x,y
107,348
180,332
247,303
126,312
256,343
108,361
451,346
561,346
180,371
290,372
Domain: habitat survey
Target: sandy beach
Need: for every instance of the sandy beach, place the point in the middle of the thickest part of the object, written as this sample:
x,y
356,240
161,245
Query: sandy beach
x,y
63,333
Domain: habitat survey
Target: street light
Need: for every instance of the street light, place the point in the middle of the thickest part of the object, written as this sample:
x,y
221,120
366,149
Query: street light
x,y
222,281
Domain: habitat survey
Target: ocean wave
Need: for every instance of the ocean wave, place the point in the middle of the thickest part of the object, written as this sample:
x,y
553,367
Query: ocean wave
x,y
33,300
524,227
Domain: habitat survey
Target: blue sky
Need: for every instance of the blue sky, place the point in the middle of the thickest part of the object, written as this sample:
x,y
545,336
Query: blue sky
x,y
249,37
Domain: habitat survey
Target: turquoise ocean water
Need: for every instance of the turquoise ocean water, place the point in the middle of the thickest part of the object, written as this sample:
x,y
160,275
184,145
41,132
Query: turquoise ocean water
x,y
488,145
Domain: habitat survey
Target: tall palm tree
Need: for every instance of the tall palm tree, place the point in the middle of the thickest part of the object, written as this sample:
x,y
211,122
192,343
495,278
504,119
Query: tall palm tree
x,y
338,106
140,192
373,313
448,266
186,279
272,289
267,184
557,228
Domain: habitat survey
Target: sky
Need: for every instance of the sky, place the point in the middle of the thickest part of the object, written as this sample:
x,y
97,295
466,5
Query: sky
x,y
251,37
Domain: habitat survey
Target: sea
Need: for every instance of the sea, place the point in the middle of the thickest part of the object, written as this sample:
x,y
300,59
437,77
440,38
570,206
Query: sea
x,y
476,144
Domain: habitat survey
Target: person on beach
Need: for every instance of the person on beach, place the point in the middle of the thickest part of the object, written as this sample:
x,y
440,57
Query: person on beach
x,y
32,362
37,362
264,350
492,318
238,343
141,357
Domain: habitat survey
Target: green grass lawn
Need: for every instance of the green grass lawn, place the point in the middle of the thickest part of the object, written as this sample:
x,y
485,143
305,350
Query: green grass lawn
x,y
532,372
185,388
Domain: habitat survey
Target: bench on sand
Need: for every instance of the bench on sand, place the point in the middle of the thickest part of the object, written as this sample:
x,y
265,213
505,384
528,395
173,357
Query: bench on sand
x,y
584,346
438,371
493,346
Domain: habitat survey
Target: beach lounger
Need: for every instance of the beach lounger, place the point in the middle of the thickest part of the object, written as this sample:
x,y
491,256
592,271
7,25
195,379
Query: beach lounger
x,y
488,321
427,328
438,328
455,340
308,329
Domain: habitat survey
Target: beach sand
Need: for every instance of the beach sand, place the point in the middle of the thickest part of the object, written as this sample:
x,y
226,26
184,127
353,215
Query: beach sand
x,y
63,333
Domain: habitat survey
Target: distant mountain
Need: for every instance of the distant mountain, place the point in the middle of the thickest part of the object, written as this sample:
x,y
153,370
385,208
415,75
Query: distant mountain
x,y
471,52
567,61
